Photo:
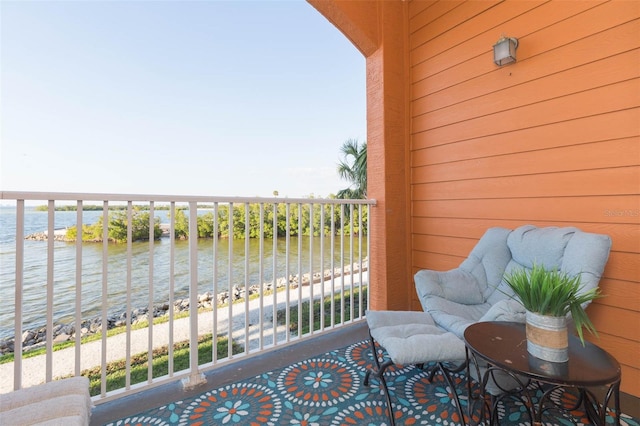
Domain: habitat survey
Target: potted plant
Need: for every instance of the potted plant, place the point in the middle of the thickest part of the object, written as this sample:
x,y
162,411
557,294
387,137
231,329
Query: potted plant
x,y
549,296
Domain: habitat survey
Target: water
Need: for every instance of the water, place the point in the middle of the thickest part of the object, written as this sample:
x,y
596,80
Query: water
x,y
64,283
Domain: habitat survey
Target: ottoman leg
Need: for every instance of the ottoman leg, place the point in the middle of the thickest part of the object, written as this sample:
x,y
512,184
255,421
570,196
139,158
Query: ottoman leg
x,y
378,372
446,373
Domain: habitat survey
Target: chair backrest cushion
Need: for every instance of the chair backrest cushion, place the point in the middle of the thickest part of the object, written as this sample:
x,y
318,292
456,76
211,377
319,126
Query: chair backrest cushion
x,y
567,249
587,254
543,246
488,260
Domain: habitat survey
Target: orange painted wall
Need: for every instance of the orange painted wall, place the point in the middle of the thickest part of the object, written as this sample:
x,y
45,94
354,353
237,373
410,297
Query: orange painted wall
x,y
461,145
553,139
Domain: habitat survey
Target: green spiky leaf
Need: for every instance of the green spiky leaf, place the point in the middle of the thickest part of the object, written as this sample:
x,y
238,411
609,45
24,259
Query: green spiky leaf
x,y
554,293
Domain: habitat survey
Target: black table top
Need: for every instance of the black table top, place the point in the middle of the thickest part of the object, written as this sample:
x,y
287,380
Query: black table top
x,y
504,345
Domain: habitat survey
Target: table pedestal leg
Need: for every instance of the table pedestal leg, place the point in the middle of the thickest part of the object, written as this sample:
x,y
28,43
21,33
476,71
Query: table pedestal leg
x,y
598,413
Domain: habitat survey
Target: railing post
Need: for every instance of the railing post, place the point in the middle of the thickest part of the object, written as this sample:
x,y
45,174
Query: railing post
x,y
50,281
105,288
172,280
230,284
17,360
195,378
275,278
78,307
152,238
129,292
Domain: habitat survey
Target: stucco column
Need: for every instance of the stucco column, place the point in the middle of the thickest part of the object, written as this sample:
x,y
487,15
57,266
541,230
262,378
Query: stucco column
x,y
379,30
388,161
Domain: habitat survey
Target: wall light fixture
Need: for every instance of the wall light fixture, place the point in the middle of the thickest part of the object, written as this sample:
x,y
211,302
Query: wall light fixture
x,y
504,51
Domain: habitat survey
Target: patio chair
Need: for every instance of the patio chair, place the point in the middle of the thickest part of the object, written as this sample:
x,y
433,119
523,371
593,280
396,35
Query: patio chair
x,y
475,291
452,300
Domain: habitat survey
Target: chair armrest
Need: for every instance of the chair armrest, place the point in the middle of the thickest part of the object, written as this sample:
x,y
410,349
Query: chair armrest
x,y
455,285
506,310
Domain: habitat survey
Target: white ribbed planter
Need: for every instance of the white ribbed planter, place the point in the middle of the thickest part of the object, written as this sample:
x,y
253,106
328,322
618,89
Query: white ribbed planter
x,y
547,337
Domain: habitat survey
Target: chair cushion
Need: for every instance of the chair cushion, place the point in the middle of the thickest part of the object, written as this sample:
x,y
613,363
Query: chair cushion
x,y
487,260
376,319
34,394
61,402
587,254
456,285
543,246
73,408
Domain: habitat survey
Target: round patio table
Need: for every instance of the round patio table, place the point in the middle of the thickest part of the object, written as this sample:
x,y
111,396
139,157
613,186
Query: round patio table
x,y
503,347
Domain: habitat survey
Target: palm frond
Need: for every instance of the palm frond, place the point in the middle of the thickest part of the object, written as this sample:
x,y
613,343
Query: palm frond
x,y
353,168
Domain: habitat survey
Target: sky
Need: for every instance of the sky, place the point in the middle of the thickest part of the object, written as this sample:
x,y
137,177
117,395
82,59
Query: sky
x,y
221,98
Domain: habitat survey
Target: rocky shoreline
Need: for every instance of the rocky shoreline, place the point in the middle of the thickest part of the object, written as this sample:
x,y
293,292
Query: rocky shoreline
x,y
58,235
36,338
61,235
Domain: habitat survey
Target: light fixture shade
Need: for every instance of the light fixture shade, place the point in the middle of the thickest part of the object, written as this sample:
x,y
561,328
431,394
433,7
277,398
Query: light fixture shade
x,y
504,51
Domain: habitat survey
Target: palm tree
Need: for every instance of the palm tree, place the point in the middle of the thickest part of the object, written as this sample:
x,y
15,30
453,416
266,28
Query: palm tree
x,y
353,168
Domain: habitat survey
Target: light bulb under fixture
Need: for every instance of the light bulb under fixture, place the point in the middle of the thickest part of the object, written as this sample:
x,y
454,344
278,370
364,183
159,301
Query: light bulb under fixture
x,y
504,51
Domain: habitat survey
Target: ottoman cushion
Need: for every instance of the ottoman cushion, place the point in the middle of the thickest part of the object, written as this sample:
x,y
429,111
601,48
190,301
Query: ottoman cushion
x,y
413,337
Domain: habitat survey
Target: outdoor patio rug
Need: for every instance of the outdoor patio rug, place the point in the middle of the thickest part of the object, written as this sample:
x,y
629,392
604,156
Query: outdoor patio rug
x,y
329,390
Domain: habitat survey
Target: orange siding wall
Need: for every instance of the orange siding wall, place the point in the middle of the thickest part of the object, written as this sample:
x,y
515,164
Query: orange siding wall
x,y
553,139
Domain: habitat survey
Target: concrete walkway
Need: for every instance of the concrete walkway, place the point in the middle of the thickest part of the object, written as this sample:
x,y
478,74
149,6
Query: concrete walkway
x,y
63,361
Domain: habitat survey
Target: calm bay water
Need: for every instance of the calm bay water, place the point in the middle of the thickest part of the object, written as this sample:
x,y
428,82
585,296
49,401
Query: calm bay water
x,y
64,287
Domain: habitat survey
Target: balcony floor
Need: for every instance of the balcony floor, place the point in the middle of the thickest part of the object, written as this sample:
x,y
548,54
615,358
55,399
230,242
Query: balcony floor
x,y
230,373
246,368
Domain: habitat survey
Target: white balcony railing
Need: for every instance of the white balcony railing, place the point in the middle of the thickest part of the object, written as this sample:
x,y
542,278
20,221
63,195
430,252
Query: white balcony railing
x,y
255,288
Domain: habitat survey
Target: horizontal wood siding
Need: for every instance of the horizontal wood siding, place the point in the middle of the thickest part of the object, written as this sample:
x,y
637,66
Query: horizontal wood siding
x,y
552,140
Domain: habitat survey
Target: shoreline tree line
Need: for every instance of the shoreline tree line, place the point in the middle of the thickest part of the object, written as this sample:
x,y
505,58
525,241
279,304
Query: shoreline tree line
x,y
300,218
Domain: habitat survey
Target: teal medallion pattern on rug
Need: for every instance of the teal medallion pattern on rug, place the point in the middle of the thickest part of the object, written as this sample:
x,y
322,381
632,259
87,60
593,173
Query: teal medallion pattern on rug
x,y
329,390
